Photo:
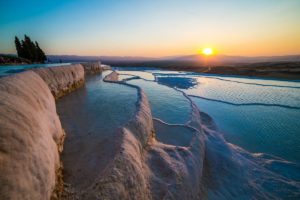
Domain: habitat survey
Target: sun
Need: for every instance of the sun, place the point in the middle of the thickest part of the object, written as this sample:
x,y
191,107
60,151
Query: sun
x,y
207,51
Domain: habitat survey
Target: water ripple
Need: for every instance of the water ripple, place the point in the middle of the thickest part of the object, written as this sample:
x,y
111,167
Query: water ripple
x,y
246,104
264,85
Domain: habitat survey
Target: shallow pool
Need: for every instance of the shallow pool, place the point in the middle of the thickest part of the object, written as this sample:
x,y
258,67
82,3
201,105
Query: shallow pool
x,y
167,104
259,115
90,116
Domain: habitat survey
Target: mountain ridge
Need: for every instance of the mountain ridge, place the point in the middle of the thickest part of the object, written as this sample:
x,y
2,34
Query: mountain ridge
x,y
216,59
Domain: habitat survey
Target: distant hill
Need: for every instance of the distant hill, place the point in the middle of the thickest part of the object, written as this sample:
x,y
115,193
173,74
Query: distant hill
x,y
75,58
218,60
231,60
172,61
284,67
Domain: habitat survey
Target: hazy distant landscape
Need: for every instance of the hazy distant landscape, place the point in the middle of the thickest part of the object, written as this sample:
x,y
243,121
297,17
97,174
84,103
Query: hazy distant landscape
x,y
286,67
196,59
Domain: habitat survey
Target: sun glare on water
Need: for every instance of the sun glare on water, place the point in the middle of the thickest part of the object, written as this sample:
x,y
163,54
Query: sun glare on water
x,y
207,51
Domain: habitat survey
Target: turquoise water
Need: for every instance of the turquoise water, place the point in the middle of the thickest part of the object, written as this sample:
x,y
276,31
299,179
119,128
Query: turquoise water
x,y
166,103
177,135
259,115
99,101
91,116
256,115
11,69
257,128
239,91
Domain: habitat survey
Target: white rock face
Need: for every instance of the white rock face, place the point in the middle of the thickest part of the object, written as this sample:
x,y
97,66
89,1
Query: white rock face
x,y
105,67
147,169
112,77
126,177
30,137
207,168
62,79
92,67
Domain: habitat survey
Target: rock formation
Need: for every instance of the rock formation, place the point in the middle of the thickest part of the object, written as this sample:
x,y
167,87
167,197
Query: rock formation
x,y
203,166
63,79
112,77
31,138
146,168
92,67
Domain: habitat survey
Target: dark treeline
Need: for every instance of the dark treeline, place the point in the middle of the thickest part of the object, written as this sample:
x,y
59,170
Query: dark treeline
x,y
29,50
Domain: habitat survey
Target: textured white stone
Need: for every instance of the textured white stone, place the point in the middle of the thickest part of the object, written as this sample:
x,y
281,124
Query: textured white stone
x,y
30,138
62,79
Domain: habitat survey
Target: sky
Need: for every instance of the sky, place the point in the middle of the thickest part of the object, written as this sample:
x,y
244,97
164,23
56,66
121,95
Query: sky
x,y
153,28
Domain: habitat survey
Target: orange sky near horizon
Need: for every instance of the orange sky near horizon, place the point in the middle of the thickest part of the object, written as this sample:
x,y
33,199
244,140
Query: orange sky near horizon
x,y
154,28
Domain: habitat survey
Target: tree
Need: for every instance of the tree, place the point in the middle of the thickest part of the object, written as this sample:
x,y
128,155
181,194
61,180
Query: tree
x,y
19,47
30,50
40,53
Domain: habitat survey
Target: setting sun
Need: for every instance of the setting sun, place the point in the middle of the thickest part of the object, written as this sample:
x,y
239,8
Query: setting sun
x,y
207,51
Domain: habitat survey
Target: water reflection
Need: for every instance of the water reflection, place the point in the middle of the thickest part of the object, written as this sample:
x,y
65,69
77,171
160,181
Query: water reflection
x,y
177,82
166,103
257,114
90,116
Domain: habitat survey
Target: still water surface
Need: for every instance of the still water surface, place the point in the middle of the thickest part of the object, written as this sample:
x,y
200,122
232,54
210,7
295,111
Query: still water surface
x,y
259,115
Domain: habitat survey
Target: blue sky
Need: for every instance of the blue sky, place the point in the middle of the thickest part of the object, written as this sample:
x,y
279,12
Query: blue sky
x,y
153,28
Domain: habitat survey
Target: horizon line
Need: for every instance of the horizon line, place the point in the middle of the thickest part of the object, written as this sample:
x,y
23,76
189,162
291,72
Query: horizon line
x,y
167,56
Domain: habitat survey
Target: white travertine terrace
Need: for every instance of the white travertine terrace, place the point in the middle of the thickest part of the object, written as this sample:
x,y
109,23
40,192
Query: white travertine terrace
x,y
92,67
112,77
126,176
105,67
31,138
143,168
62,79
208,168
